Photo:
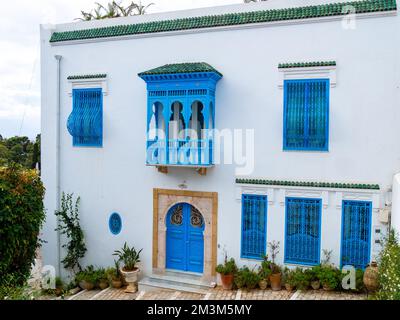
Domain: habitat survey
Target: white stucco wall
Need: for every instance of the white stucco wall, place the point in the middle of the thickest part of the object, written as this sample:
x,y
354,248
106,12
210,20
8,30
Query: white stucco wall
x,y
364,117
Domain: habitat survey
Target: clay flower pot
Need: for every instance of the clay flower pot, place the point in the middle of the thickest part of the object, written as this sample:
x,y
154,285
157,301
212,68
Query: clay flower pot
x,y
289,287
117,284
315,284
86,285
275,280
371,277
263,284
103,284
227,281
131,277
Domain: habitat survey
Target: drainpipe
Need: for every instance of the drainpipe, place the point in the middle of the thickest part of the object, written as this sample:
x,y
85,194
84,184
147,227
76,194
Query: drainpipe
x,y
57,173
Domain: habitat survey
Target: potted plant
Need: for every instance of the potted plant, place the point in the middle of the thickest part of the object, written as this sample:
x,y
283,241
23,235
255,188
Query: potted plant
x,y
227,272
247,278
315,283
102,281
301,279
130,257
329,277
276,274
114,276
86,278
264,273
59,287
288,277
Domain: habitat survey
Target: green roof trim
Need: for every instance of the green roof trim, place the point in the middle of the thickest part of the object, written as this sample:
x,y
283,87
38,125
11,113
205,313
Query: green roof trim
x,y
193,67
87,76
306,64
229,19
333,185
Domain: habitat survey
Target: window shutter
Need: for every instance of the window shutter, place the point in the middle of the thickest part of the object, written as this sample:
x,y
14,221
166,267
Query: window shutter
x,y
254,223
303,220
356,233
85,123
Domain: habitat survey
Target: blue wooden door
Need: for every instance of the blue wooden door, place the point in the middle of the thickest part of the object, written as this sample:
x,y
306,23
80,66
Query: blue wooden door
x,y
185,239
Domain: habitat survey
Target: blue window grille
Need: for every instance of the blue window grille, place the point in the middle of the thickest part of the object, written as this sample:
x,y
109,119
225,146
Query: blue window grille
x,y
356,233
85,124
306,115
115,223
254,226
303,231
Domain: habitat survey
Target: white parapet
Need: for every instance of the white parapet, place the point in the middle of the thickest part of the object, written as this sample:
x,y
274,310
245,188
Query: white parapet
x,y
396,203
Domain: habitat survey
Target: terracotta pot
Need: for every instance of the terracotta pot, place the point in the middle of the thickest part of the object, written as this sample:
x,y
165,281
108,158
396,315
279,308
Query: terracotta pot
x,y
58,291
315,284
103,284
85,285
227,281
131,277
327,288
263,284
116,284
289,287
371,277
275,280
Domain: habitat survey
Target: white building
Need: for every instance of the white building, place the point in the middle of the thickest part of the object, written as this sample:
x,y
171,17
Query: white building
x,y
313,92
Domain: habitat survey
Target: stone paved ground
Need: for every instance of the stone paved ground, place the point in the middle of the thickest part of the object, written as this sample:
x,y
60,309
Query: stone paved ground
x,y
215,294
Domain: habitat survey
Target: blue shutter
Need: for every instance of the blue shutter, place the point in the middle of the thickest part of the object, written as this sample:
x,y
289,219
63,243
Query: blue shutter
x,y
254,226
303,231
306,114
356,233
85,123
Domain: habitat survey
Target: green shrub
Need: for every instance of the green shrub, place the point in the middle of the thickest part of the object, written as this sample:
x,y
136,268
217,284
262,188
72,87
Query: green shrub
x,y
301,278
21,218
229,267
89,274
329,276
265,269
389,269
246,278
129,256
288,277
10,291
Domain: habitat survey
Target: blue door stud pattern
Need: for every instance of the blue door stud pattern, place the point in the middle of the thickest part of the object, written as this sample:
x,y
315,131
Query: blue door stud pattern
x,y
306,115
115,223
185,239
303,231
356,233
85,123
254,226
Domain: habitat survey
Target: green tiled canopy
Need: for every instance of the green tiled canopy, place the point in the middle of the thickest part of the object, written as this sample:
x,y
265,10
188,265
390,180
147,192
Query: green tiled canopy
x,y
306,64
309,184
87,76
181,68
230,19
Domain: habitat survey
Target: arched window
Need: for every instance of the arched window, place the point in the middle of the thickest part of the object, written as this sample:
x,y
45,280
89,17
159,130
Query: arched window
x,y
176,122
196,123
157,123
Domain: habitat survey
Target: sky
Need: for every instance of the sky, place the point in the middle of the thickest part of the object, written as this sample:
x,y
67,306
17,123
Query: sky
x,y
20,59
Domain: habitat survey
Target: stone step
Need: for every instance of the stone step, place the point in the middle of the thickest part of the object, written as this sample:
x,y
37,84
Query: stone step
x,y
174,283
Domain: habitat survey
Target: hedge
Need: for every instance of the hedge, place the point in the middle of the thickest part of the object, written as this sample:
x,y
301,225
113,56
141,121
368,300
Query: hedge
x,y
21,218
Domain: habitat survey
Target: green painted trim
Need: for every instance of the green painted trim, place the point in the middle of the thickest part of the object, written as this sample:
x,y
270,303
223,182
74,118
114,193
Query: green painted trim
x,y
230,19
306,64
193,67
87,76
310,184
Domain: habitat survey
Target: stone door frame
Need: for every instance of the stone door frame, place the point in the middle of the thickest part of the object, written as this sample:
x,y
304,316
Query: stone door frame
x,y
207,204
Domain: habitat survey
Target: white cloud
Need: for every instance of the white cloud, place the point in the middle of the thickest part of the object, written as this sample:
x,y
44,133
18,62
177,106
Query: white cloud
x,y
19,53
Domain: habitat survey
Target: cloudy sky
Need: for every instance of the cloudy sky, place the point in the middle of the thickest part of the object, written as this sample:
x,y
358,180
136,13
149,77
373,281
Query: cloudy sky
x,y
19,53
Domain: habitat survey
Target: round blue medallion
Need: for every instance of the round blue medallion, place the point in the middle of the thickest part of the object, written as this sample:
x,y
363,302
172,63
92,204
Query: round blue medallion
x,y
115,223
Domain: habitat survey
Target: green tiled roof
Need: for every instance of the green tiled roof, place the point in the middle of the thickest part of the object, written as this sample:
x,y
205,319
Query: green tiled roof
x,y
309,184
87,76
181,68
230,19
306,64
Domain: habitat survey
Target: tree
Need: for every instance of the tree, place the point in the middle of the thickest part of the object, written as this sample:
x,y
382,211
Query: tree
x,y
36,154
114,9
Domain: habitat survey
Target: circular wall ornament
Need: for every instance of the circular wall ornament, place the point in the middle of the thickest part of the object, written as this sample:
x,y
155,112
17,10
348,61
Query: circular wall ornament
x,y
115,223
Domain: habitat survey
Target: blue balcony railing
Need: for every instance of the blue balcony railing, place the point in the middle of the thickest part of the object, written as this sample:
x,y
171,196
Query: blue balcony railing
x,y
182,152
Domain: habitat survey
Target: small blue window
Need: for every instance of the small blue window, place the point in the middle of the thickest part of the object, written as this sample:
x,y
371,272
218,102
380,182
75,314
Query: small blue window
x,y
85,124
303,231
306,115
254,226
115,223
356,233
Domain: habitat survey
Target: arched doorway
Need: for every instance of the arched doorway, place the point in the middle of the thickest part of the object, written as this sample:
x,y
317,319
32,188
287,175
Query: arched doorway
x,y
185,239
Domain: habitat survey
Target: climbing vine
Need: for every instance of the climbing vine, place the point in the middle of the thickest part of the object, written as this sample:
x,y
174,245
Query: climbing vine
x,y
69,226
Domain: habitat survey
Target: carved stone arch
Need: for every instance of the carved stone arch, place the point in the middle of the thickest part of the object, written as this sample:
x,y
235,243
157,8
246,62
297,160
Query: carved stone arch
x,y
207,204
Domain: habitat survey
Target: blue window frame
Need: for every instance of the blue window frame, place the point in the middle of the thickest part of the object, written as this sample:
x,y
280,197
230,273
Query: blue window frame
x,y
356,233
85,124
306,115
254,226
303,231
